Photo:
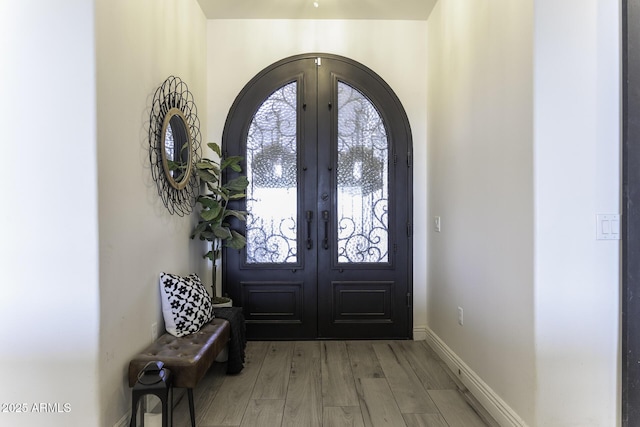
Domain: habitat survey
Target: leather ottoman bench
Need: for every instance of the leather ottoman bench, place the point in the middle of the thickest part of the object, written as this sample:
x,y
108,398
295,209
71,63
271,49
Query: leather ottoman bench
x,y
188,358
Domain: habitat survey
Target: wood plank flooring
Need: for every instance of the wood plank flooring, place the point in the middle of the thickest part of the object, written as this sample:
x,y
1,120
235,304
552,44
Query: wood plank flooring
x,y
333,384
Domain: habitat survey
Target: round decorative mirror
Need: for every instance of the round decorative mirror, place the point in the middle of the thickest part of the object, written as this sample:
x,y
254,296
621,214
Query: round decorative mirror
x,y
174,145
176,158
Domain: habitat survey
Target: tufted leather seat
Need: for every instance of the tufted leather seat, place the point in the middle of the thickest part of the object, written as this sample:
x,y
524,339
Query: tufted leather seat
x,y
188,358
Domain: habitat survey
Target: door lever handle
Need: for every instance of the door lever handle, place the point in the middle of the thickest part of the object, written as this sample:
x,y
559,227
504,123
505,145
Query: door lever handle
x,y
309,239
325,241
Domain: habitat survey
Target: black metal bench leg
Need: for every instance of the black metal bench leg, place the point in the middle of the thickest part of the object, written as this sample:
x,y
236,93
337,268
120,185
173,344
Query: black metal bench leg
x,y
134,414
192,410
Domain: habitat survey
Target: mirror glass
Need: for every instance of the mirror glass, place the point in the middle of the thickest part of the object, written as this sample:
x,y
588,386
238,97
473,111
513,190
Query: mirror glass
x,y
176,156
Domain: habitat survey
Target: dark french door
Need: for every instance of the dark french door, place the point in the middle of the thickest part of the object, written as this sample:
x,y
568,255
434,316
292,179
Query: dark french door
x,y
327,150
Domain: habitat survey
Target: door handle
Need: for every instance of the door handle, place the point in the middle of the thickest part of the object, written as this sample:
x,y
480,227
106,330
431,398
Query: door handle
x,y
309,239
325,241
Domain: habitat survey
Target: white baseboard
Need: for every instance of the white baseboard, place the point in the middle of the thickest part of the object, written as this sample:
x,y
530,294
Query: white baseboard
x,y
419,333
498,408
124,421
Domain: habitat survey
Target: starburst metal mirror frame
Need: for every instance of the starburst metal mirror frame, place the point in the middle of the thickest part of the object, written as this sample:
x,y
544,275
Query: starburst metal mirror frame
x,y
174,145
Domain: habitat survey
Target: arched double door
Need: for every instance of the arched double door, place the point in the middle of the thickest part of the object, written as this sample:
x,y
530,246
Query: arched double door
x,y
327,149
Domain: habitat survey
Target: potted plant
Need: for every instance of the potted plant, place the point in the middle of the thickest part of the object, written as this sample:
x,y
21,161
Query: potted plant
x,y
213,224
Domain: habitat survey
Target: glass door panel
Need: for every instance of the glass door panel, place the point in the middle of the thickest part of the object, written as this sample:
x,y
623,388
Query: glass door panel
x,y
363,183
272,203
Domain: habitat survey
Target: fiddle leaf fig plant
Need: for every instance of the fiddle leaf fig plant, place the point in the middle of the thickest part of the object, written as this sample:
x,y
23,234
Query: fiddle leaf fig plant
x,y
213,223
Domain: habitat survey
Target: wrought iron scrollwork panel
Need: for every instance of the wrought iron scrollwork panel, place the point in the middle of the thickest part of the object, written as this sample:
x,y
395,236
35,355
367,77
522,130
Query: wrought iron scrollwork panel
x,y
363,180
272,226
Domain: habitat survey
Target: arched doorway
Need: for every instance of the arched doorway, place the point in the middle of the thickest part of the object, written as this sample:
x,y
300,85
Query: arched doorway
x,y
327,146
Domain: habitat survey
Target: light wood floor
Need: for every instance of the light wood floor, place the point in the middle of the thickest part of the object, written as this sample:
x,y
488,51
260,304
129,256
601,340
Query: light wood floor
x,y
333,383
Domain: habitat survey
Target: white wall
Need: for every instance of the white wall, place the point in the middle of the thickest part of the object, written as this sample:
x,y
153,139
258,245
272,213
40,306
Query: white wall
x,y
523,153
577,167
139,44
396,50
481,185
48,215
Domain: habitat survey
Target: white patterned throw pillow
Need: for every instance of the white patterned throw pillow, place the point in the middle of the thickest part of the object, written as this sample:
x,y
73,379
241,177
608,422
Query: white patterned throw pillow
x,y
186,305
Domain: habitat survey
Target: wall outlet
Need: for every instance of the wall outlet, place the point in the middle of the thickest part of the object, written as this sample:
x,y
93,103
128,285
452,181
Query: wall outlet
x,y
437,224
154,331
460,316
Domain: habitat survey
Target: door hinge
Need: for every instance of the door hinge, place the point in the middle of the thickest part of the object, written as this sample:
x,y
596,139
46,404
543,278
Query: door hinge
x,y
318,61
409,299
395,159
409,159
409,229
395,247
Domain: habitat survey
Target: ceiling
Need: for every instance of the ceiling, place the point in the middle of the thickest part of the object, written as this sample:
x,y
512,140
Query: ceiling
x,y
327,9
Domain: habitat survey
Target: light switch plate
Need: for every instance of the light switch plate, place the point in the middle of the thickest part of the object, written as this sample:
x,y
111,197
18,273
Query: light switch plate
x,y
608,227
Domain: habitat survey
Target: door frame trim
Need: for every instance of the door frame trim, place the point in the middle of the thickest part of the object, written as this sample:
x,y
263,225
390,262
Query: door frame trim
x,y
630,213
